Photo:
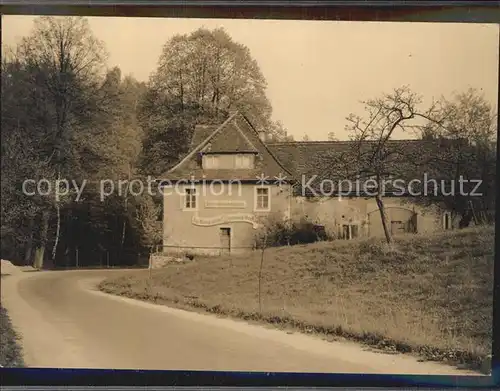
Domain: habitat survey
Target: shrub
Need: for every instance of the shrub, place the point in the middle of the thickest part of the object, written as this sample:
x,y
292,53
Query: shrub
x,y
280,232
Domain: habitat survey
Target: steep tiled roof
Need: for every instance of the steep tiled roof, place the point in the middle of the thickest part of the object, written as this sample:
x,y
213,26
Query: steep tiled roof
x,y
231,140
306,155
236,134
338,160
201,132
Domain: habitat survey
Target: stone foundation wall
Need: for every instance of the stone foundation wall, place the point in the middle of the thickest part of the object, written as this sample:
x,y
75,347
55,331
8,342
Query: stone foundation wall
x,y
159,261
180,252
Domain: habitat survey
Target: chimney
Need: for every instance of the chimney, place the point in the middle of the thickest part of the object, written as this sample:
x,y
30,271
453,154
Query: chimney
x,y
263,136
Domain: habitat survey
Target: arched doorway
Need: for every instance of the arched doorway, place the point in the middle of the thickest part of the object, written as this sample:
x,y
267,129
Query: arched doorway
x,y
399,220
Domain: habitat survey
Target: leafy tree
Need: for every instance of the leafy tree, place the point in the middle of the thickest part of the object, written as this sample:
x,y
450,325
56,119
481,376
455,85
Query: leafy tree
x,y
210,69
20,159
201,77
168,130
278,133
64,116
63,62
470,118
147,220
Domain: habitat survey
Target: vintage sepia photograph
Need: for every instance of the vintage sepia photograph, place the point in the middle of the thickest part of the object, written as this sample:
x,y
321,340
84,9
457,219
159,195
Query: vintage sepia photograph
x,y
248,194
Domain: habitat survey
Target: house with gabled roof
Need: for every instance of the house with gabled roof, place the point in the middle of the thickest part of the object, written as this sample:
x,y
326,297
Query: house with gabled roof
x,y
231,179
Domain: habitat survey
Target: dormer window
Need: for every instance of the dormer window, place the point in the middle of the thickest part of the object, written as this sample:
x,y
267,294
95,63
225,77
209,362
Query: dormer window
x,y
228,161
210,161
244,161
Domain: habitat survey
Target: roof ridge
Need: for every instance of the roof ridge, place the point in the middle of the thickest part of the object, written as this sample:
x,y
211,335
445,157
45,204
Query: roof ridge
x,y
245,137
267,149
340,141
307,142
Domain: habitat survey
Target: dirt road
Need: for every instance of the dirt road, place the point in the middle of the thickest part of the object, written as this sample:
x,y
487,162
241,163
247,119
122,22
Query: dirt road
x,y
66,322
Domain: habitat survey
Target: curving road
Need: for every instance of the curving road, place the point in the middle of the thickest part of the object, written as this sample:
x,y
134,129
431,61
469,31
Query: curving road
x,y
66,322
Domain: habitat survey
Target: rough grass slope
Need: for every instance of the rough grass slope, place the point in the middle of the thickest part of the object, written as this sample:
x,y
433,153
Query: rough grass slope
x,y
430,295
10,349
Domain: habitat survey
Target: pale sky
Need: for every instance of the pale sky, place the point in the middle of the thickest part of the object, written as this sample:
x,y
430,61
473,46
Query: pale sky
x,y
318,71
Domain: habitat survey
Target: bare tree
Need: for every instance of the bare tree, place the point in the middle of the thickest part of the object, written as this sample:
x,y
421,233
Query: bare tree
x,y
469,121
374,155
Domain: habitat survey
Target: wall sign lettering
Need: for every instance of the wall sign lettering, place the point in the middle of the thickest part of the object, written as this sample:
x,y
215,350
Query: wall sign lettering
x,y
224,219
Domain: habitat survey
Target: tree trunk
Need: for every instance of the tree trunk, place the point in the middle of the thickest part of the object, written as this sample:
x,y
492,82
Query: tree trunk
x,y
40,250
260,277
124,229
58,227
465,220
58,230
264,245
28,249
380,204
124,226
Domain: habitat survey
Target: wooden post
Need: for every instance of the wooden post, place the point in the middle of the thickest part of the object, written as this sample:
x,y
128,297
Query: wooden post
x,y
476,221
76,257
264,245
107,258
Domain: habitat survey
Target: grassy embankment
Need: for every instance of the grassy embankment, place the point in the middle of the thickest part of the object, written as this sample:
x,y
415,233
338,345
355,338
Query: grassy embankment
x,y
428,295
10,349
